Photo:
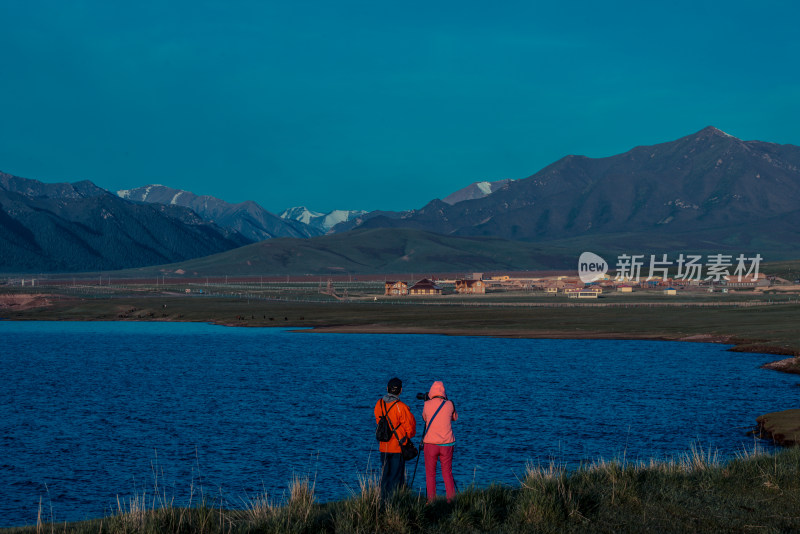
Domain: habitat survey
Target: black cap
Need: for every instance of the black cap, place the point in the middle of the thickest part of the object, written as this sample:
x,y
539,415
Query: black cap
x,y
394,385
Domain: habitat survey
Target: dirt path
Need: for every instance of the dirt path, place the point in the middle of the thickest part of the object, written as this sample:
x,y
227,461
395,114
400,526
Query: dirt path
x,y
23,301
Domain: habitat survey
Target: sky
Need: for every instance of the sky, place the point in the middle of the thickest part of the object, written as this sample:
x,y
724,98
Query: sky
x,y
376,105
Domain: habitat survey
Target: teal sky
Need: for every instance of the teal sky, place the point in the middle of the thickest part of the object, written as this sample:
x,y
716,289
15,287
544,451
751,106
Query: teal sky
x,y
376,105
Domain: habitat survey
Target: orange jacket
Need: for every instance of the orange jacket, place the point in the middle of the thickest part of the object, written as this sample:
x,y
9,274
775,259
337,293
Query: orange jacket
x,y
400,418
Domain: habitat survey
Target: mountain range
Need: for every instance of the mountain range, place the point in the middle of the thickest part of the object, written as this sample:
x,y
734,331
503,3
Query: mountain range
x,y
695,186
80,227
706,192
247,218
471,192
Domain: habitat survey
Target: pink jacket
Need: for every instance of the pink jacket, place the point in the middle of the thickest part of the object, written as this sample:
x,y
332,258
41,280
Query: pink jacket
x,y
441,431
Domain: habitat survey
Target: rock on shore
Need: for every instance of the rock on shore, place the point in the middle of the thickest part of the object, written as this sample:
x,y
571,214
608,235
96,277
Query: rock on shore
x,y
781,427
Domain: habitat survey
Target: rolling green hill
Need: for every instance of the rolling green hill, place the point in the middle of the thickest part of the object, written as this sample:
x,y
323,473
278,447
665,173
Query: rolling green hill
x,y
404,250
377,250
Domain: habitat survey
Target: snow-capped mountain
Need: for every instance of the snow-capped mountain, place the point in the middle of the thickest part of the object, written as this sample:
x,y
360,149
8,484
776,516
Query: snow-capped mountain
x,y
300,214
247,218
81,227
320,221
475,190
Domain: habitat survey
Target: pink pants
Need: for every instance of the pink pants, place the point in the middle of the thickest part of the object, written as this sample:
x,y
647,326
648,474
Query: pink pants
x,y
432,454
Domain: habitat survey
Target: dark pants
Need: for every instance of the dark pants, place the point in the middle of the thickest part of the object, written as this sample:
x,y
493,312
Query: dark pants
x,y
393,473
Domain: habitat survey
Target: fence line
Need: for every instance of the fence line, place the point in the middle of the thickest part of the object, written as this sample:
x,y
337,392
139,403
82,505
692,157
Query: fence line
x,y
410,302
99,292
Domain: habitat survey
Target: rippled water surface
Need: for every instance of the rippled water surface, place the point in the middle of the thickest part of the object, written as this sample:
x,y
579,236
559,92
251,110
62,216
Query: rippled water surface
x,y
92,411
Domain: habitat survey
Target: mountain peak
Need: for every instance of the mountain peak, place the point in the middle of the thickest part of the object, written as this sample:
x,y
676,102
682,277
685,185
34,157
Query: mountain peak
x,y
475,190
321,221
713,130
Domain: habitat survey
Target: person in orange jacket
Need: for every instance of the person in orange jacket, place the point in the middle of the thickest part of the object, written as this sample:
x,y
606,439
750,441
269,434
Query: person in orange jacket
x,y
393,465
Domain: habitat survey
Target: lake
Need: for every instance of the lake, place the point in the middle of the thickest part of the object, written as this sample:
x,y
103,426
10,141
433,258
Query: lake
x,y
92,411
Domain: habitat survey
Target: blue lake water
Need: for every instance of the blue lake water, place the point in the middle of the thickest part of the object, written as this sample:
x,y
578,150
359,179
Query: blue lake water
x,y
90,411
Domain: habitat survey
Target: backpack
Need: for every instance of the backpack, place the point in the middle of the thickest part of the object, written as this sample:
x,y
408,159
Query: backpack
x,y
384,431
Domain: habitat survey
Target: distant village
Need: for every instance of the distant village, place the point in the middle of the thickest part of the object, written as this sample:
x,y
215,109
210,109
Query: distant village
x,y
470,284
573,287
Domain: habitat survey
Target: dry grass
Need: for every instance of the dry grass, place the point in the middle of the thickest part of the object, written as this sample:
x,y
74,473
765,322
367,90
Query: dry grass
x,y
694,492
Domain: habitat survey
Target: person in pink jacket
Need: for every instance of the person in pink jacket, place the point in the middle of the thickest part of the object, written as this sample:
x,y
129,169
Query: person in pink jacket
x,y
438,441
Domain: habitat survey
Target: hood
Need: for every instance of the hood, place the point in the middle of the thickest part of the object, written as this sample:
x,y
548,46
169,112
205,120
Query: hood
x,y
389,398
437,390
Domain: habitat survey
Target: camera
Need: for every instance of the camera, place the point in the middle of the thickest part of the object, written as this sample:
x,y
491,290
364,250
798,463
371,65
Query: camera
x,y
423,396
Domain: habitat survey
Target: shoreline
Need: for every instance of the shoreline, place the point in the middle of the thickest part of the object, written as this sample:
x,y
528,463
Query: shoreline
x,y
757,329
788,365
737,344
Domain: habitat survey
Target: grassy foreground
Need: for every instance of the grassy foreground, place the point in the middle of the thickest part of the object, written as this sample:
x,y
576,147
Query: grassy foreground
x,y
754,492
